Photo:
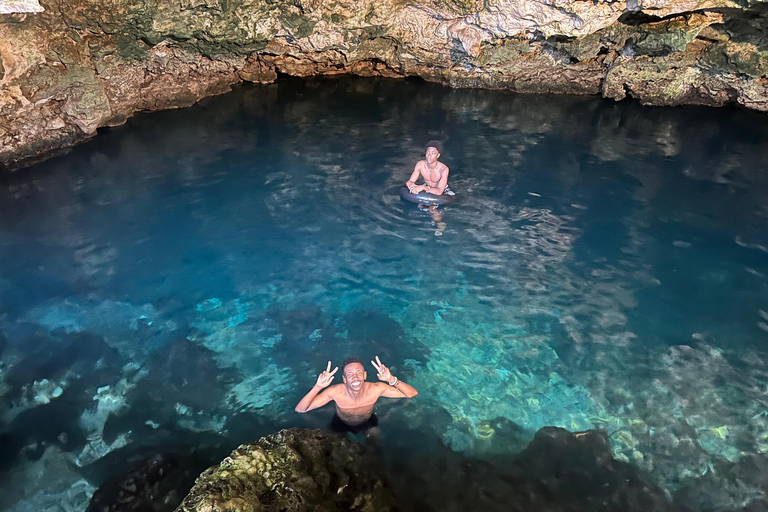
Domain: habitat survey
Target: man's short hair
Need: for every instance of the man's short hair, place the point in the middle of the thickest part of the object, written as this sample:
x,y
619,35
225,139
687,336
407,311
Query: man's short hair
x,y
435,144
350,360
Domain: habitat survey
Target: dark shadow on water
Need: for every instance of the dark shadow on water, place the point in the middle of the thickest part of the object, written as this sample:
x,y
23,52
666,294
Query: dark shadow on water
x,y
84,360
557,471
309,339
180,375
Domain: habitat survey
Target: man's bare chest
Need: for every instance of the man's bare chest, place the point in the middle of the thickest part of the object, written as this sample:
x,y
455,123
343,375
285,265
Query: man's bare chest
x,y
431,175
364,401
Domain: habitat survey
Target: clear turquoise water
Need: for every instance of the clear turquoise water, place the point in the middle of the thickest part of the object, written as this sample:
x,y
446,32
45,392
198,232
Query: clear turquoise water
x,y
182,279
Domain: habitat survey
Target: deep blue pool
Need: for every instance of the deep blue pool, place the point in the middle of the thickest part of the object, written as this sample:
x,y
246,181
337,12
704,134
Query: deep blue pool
x,y
182,279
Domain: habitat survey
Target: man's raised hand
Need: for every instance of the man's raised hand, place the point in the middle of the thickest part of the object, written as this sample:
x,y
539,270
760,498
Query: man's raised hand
x,y
326,377
383,371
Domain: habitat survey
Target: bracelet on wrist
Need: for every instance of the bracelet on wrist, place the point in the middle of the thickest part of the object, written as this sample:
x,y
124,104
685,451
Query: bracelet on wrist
x,y
394,384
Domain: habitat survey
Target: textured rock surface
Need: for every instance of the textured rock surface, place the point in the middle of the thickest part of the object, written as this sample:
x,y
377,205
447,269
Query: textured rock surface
x,y
297,470
293,470
79,65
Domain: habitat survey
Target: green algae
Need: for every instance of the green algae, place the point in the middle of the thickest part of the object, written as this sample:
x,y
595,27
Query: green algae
x,y
320,471
740,58
501,51
373,32
129,48
299,24
462,7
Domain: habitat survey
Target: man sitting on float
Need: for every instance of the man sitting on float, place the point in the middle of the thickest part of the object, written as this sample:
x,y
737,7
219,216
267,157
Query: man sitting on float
x,y
435,173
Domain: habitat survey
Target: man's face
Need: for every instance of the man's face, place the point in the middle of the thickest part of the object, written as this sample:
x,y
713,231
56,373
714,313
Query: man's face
x,y
432,154
354,376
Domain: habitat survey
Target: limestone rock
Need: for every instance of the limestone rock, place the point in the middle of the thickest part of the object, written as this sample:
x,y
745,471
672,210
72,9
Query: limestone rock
x,y
70,67
292,470
19,6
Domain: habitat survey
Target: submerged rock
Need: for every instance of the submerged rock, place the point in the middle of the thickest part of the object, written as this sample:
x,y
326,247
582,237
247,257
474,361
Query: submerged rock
x,y
293,470
297,470
559,471
154,484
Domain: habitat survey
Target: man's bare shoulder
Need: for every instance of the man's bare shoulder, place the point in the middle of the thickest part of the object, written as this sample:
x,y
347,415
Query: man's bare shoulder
x,y
333,391
379,387
443,168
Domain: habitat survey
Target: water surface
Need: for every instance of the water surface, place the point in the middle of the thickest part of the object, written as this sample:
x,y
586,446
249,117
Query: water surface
x,y
180,281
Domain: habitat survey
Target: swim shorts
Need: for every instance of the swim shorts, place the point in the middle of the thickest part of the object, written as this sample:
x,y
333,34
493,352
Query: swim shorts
x,y
338,425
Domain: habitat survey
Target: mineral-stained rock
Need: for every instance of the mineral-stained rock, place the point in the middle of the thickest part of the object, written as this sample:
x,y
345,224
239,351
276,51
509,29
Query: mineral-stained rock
x,y
79,65
293,470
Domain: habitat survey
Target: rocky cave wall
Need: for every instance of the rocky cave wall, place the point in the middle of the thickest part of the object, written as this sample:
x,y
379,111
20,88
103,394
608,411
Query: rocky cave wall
x,y
68,67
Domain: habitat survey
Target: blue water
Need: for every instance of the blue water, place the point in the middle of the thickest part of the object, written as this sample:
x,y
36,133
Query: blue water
x,y
183,278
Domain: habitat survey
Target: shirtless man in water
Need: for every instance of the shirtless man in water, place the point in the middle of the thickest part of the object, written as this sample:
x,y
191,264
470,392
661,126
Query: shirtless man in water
x,y
354,398
435,173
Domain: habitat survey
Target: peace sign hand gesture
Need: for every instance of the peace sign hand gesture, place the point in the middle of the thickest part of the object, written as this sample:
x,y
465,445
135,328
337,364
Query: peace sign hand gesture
x,y
325,378
384,374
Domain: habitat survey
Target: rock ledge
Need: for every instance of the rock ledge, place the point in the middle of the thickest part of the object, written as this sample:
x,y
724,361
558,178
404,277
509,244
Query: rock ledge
x,y
292,470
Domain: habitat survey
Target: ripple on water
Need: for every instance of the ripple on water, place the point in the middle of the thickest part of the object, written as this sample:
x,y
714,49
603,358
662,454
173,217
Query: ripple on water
x,y
586,277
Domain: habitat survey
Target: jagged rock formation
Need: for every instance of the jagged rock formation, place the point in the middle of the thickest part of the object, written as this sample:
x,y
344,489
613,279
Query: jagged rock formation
x,y
293,470
81,65
297,470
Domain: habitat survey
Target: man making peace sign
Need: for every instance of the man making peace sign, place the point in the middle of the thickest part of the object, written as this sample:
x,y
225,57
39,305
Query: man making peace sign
x,y
354,398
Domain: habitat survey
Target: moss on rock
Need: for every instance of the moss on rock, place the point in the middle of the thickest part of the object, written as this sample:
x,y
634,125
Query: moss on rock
x,y
182,50
293,470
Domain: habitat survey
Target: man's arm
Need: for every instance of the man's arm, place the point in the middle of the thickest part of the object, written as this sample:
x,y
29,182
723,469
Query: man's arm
x,y
411,183
399,390
315,398
394,387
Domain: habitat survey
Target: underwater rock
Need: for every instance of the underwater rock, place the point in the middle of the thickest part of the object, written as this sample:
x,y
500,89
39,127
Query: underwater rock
x,y
579,465
150,485
47,482
121,324
558,471
49,387
728,486
185,373
180,386
293,470
48,363
522,369
77,66
271,385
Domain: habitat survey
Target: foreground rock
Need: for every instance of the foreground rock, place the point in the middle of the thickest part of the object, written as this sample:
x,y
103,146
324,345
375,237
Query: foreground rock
x,y
298,470
77,66
293,470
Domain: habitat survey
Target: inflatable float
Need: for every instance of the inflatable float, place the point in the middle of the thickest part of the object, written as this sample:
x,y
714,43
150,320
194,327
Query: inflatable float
x,y
425,198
